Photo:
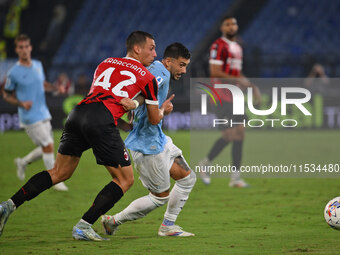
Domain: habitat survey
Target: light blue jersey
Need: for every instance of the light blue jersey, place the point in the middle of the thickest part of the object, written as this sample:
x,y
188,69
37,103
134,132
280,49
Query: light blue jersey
x,y
28,84
145,137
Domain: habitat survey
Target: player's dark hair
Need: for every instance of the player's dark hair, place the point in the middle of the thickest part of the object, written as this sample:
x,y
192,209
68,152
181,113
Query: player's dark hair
x,y
20,38
227,17
176,50
137,37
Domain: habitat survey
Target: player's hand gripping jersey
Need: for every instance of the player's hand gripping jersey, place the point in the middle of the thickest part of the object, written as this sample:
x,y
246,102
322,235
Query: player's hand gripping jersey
x,y
145,137
116,78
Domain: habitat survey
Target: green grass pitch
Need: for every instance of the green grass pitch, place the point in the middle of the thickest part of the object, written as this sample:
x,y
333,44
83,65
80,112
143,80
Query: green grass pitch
x,y
274,216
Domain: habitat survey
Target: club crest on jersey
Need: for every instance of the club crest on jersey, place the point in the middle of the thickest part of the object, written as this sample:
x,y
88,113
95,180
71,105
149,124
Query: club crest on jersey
x,y
126,155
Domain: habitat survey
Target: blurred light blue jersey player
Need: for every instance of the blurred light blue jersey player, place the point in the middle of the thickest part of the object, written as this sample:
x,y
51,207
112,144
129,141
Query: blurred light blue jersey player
x,y
145,137
28,84
25,88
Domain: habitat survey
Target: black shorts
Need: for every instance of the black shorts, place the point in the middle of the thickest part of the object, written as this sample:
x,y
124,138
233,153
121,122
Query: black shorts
x,y
92,126
225,111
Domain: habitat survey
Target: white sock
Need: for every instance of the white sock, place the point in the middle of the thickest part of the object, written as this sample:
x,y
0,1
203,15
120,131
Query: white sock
x,y
235,175
84,222
139,208
11,201
48,159
33,155
179,196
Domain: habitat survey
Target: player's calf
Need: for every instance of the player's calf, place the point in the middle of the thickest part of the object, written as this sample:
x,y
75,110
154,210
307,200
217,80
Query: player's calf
x,y
178,197
139,208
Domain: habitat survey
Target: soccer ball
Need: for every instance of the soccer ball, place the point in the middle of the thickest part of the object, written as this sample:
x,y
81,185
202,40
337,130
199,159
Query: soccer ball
x,y
332,213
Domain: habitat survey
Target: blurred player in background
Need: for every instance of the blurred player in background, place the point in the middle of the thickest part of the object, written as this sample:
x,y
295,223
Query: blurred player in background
x,y
93,124
25,87
225,61
156,158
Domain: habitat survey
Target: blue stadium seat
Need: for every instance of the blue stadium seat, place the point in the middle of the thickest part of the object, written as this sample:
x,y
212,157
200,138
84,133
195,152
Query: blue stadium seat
x,y
295,27
101,27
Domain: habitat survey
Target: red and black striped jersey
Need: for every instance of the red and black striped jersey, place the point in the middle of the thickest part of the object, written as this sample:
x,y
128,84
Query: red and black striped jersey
x,y
116,78
229,55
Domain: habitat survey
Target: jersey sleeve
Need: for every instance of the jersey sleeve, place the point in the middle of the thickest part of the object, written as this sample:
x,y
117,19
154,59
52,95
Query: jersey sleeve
x,y
10,84
160,81
150,92
216,54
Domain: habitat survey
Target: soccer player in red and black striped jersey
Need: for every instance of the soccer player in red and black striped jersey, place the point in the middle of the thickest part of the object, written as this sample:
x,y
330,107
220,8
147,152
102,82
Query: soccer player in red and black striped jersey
x,y
225,61
93,124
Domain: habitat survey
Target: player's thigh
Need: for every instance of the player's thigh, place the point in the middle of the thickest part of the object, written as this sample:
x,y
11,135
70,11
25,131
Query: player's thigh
x,y
153,171
72,141
180,168
228,134
64,167
226,112
104,138
108,147
40,133
239,133
123,176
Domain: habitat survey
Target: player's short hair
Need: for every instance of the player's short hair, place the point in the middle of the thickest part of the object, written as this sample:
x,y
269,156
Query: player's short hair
x,y
20,38
227,17
137,37
176,50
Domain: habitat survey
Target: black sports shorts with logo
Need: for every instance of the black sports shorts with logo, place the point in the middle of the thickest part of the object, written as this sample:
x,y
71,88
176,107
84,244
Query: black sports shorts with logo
x,y
92,126
225,111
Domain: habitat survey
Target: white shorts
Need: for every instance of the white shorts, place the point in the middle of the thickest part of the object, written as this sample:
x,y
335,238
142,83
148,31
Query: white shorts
x,y
154,169
40,133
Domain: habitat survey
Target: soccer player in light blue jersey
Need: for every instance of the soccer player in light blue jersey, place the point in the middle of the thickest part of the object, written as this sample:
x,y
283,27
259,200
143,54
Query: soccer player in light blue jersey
x,y
25,88
155,156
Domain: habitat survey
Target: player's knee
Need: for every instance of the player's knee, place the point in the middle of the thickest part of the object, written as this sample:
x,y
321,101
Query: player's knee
x,y
227,135
130,181
58,175
240,133
48,148
239,137
158,201
188,182
126,183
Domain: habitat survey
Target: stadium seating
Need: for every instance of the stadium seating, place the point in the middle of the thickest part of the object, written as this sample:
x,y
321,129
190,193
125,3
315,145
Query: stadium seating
x,y
294,29
102,26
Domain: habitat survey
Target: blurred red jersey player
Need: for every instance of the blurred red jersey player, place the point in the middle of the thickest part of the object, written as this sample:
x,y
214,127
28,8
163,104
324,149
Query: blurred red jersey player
x,y
225,62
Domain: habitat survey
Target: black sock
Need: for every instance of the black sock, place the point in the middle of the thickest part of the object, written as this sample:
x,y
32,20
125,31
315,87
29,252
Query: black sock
x,y
37,184
237,153
217,148
104,201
